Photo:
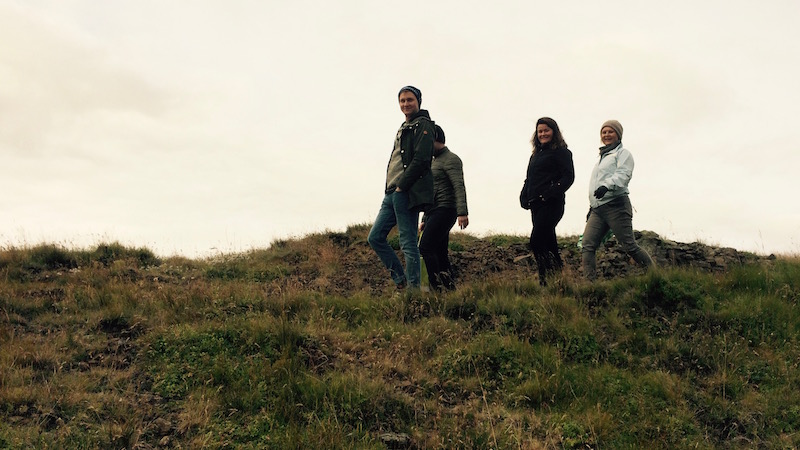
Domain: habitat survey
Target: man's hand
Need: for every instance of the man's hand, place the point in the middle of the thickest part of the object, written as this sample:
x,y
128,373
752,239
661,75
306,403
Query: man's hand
x,y
463,221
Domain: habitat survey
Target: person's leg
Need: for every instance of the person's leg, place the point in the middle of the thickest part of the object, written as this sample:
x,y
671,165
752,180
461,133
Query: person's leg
x,y
384,223
596,228
445,272
407,222
620,219
537,243
428,248
433,246
543,238
555,214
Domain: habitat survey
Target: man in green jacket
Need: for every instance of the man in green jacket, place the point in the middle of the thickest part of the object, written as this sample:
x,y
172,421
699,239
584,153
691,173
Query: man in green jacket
x,y
408,190
449,206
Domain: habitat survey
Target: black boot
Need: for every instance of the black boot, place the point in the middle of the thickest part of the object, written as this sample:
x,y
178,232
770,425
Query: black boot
x,y
447,281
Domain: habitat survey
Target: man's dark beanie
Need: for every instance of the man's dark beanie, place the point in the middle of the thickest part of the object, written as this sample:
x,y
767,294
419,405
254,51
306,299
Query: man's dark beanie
x,y
417,93
438,134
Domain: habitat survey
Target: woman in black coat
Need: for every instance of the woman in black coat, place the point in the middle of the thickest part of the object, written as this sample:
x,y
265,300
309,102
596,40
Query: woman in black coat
x,y
550,174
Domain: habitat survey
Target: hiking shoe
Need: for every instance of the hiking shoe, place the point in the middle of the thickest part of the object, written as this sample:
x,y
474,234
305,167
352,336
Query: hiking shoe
x,y
399,289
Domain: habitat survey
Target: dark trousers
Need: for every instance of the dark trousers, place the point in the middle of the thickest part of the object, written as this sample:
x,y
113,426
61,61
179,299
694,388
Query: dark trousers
x,y
545,216
433,247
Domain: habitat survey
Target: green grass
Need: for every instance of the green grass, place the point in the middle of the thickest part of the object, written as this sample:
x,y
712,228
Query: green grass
x,y
116,348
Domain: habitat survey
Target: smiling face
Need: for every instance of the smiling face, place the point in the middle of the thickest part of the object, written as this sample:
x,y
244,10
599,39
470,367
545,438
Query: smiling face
x,y
544,133
408,103
608,136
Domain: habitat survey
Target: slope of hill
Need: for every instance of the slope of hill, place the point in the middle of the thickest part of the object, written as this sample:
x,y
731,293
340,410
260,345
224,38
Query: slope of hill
x,y
301,346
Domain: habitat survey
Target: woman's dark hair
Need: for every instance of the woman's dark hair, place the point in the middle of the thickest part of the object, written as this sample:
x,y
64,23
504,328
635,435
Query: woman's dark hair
x,y
558,139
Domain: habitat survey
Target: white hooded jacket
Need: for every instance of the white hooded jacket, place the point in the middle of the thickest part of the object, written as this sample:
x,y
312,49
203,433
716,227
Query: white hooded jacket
x,y
614,171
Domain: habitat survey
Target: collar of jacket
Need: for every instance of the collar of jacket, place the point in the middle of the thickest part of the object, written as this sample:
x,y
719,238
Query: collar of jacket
x,y
418,114
550,146
607,148
439,153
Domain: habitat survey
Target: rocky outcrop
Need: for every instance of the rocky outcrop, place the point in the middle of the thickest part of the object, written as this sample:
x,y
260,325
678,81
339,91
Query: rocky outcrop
x,y
483,258
345,263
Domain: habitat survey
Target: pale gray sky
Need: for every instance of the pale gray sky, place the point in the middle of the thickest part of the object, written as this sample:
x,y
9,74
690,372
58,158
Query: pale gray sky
x,y
198,127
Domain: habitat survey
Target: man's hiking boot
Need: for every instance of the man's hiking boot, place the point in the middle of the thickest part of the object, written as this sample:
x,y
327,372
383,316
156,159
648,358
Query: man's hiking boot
x,y
400,289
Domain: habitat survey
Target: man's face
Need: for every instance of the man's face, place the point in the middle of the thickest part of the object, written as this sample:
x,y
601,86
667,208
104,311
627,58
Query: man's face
x,y
408,103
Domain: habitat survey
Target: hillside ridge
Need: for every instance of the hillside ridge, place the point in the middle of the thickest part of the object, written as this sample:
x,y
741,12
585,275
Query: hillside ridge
x,y
302,345
349,265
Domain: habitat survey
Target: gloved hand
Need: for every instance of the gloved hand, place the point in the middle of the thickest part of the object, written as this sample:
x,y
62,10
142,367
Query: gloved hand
x,y
600,192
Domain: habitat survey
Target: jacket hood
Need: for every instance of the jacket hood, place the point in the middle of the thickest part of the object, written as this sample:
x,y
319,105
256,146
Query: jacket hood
x,y
418,114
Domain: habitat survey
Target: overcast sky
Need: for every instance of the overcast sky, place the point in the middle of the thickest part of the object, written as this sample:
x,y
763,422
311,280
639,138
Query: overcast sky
x,y
200,127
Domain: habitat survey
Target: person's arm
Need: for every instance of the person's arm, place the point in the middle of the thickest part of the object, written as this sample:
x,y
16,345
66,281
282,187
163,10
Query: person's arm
x,y
455,173
523,195
623,172
567,171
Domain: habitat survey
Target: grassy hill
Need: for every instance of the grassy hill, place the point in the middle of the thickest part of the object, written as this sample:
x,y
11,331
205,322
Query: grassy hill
x,y
302,346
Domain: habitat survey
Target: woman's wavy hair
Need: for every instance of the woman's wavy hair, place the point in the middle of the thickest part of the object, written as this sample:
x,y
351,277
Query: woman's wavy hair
x,y
558,139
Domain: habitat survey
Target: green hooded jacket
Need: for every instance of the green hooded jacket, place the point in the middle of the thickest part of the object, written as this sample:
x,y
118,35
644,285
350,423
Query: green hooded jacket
x,y
414,141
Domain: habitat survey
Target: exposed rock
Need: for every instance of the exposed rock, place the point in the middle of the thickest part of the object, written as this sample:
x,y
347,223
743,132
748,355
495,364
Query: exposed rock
x,y
396,440
162,426
614,262
476,259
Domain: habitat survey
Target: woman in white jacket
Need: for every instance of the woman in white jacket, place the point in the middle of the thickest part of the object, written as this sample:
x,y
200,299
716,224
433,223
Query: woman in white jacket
x,y
608,198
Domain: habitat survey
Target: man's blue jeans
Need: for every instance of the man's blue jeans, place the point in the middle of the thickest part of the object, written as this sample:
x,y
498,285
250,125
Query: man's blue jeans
x,y
394,211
